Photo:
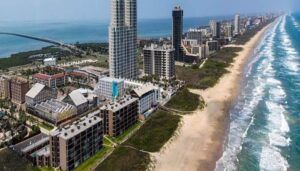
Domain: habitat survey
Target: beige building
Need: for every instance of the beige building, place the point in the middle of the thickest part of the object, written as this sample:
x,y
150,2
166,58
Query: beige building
x,y
159,61
5,87
119,116
18,88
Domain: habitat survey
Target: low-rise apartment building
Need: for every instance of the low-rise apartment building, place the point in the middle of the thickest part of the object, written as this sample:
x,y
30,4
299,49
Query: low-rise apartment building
x,y
120,115
52,81
110,88
76,142
148,96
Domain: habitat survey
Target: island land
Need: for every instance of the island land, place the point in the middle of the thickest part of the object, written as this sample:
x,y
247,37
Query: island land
x,y
199,142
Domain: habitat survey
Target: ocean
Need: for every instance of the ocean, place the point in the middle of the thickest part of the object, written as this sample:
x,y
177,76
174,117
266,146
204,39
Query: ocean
x,y
264,132
83,31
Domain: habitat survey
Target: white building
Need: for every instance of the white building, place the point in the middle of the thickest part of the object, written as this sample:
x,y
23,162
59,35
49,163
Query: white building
x,y
159,61
50,61
110,88
237,24
39,93
201,50
148,96
122,39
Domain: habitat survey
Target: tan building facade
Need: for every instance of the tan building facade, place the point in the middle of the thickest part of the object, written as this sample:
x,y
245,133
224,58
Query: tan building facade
x,y
5,87
19,87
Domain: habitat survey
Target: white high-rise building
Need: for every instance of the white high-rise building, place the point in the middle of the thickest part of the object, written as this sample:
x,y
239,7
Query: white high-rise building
x,y
159,61
122,39
237,24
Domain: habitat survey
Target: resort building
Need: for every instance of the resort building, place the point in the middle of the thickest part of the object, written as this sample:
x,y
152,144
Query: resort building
x,y
76,142
19,87
52,81
148,96
53,111
39,93
123,39
5,87
119,116
159,60
110,88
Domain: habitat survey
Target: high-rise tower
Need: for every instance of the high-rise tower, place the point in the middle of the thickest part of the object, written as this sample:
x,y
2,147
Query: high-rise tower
x,y
122,39
237,24
177,32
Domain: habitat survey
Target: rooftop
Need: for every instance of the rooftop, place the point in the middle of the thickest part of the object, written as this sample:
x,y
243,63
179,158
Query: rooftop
x,y
77,98
109,79
140,91
78,126
35,90
116,106
159,48
54,108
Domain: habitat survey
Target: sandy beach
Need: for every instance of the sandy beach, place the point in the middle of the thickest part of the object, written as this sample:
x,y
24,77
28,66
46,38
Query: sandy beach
x,y
199,142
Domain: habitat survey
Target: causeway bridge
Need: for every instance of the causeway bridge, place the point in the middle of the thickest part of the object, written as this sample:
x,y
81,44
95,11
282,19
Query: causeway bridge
x,y
53,42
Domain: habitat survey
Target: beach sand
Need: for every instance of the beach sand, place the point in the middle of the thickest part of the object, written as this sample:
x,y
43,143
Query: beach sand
x,y
199,142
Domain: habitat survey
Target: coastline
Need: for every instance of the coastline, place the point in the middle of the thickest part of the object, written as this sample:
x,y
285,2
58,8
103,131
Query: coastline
x,y
199,143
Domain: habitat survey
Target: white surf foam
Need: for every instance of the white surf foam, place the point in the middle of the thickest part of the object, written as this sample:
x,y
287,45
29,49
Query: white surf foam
x,y
242,121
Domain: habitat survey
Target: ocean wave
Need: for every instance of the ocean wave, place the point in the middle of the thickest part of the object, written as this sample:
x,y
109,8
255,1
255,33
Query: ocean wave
x,y
271,160
292,56
242,115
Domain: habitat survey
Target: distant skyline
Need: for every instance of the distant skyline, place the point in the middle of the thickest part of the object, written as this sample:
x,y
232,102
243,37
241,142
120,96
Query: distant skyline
x,y
61,10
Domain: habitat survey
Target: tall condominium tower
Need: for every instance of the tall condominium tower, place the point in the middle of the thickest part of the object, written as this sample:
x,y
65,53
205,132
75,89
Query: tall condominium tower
x,y
122,39
215,28
177,32
237,24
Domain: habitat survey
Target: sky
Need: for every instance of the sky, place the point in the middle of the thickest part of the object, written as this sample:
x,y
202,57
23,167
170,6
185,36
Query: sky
x,y
60,10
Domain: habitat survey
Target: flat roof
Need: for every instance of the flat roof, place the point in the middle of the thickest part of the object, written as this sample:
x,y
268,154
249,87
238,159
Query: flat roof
x,y
116,106
71,130
109,79
140,91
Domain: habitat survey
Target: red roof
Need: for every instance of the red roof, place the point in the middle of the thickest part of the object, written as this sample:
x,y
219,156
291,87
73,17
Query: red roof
x,y
47,77
41,76
56,76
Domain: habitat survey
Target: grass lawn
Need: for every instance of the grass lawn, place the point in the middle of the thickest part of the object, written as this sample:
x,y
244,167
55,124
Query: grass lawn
x,y
91,162
184,100
126,159
46,169
213,69
150,137
121,137
9,160
155,132
46,126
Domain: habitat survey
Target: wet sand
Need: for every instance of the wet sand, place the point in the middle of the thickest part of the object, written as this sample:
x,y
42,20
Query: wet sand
x,y
199,143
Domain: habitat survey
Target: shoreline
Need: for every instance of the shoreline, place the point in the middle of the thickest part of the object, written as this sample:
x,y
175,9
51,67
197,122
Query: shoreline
x,y
200,140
